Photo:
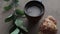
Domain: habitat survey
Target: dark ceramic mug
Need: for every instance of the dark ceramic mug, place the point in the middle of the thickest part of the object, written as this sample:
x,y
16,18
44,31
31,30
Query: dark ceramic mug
x,y
32,19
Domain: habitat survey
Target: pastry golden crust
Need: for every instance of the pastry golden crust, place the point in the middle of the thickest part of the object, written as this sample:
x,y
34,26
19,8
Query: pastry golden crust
x,y
48,25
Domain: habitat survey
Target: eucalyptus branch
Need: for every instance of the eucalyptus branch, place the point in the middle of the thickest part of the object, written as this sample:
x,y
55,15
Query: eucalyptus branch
x,y
18,23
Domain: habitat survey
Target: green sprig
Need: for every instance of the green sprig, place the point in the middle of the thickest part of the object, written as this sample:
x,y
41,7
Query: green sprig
x,y
18,25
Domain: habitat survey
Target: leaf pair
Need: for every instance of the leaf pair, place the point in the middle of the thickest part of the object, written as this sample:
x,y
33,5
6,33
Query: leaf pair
x,y
14,2
16,31
20,24
13,16
18,28
10,17
8,7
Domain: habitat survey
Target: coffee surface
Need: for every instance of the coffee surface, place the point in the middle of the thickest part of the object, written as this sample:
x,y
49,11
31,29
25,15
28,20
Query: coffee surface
x,y
33,11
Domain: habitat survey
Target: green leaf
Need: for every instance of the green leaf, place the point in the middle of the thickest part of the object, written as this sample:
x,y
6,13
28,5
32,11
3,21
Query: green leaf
x,y
24,28
9,18
15,1
19,12
20,24
12,28
16,31
6,0
6,8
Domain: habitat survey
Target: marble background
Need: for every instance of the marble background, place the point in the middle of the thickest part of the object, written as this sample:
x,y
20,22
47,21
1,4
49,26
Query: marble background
x,y
52,7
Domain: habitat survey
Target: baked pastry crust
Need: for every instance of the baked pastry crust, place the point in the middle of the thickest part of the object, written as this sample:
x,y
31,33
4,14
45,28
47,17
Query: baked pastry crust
x,y
49,25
